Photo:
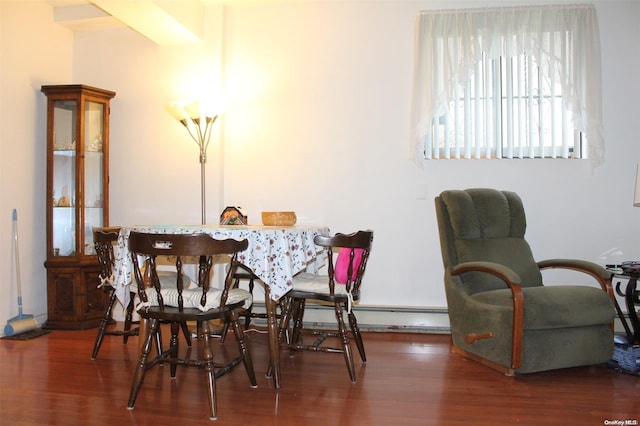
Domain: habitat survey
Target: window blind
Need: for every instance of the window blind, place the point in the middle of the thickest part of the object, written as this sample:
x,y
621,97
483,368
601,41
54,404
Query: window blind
x,y
506,109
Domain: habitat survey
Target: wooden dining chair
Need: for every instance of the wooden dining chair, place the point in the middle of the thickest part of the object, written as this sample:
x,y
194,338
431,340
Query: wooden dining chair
x,y
104,239
179,304
340,287
245,274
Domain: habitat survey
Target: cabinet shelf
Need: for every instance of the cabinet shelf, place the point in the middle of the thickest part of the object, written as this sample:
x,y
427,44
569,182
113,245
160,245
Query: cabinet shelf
x,y
72,152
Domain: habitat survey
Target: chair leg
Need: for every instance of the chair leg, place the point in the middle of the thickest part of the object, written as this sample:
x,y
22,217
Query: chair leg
x,y
103,325
128,319
223,333
244,349
173,346
284,337
297,309
247,313
357,336
207,357
158,341
186,332
346,346
225,326
247,318
138,377
286,305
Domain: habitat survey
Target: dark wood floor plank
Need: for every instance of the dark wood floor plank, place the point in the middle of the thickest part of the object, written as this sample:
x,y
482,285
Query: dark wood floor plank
x,y
409,379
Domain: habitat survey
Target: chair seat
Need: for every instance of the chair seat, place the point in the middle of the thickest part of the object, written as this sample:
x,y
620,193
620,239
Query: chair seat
x,y
548,307
173,314
191,298
318,284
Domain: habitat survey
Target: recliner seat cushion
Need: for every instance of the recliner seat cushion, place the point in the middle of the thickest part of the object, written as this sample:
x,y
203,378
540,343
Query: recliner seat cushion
x,y
548,307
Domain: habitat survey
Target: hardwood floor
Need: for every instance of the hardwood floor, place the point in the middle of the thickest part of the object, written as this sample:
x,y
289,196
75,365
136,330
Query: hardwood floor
x,y
409,379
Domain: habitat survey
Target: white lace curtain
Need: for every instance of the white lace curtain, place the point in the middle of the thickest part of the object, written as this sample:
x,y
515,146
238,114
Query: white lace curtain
x,y
563,39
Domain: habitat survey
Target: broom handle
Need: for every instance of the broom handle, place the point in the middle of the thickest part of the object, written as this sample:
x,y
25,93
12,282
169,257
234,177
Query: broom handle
x,y
17,257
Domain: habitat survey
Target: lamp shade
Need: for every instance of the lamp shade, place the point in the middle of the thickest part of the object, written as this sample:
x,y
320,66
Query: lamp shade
x,y
201,109
636,197
177,110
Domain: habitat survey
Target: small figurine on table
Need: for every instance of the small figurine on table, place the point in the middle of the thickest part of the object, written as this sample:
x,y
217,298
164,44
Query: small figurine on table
x,y
234,216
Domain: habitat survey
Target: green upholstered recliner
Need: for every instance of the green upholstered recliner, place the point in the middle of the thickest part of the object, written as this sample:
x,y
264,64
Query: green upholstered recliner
x,y
500,312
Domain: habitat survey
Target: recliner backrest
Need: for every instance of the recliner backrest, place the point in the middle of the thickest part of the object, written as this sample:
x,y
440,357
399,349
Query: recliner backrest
x,y
485,225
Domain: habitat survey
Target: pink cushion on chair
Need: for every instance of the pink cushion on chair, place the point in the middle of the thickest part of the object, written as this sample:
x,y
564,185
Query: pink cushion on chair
x,y
342,264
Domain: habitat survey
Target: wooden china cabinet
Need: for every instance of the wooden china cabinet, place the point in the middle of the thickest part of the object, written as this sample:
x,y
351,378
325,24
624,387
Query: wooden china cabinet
x,y
77,201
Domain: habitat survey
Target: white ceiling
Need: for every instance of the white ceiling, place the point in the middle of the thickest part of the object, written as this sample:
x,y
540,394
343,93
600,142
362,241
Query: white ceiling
x,y
166,22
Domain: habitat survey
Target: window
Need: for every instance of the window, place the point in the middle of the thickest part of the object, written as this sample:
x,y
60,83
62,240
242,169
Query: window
x,y
508,83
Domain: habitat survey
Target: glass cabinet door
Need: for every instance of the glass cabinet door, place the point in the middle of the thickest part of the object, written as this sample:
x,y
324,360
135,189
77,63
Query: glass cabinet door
x,y
78,174
64,177
93,171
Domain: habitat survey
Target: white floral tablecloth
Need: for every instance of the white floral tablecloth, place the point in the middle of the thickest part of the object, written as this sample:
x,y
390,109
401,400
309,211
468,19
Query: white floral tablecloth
x,y
275,254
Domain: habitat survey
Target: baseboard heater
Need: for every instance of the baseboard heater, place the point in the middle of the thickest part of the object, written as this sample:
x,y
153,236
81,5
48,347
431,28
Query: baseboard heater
x,y
376,318
384,318
373,318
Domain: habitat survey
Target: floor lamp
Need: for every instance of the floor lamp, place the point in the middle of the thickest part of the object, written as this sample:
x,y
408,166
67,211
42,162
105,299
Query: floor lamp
x,y
199,123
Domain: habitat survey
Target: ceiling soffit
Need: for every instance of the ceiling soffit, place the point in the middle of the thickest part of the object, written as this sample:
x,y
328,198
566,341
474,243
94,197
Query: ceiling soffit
x,y
165,22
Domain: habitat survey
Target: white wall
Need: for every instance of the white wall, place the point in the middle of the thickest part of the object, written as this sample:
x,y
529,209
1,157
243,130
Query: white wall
x,y
324,131
317,122
33,51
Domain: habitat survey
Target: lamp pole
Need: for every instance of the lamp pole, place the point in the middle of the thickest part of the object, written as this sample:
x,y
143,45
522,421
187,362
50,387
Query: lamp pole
x,y
203,161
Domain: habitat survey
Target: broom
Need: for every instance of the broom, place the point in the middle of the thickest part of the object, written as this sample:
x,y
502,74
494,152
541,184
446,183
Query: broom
x,y
22,322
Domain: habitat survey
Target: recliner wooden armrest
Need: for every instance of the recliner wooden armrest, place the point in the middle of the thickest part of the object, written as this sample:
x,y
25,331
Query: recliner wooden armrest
x,y
596,271
503,272
513,282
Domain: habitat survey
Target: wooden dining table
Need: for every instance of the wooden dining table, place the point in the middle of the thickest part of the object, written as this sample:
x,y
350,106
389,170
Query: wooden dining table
x,y
275,254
